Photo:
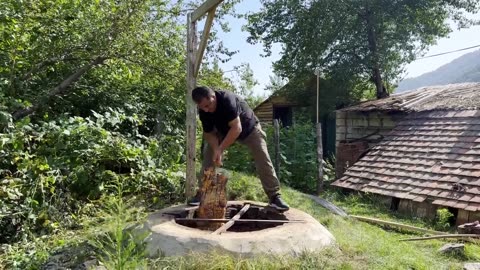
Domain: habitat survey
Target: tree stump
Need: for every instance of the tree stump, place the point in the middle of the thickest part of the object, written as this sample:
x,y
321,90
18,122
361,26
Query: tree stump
x,y
213,200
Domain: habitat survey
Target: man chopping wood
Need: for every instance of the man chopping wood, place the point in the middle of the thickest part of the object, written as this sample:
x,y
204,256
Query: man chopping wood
x,y
226,118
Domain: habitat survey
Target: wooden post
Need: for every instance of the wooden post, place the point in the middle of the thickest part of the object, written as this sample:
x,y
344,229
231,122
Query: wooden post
x,y
319,140
319,159
194,60
276,139
191,107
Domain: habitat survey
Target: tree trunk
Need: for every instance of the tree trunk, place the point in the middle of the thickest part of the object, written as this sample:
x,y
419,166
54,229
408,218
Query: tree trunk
x,y
60,89
372,44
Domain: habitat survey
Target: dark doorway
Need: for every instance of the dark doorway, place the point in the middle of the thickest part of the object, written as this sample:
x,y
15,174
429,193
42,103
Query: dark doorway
x,y
395,203
453,220
284,114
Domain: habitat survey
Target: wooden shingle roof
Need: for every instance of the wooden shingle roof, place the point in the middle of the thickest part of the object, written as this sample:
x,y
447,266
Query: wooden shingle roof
x,y
429,156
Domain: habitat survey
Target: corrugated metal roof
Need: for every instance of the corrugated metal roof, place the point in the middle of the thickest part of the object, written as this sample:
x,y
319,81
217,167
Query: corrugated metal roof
x,y
462,96
428,155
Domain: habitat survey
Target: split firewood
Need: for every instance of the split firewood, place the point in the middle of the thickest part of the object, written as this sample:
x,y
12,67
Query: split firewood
x,y
213,200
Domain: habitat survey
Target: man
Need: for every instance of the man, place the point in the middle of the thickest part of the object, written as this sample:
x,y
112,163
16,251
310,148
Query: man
x,y
227,118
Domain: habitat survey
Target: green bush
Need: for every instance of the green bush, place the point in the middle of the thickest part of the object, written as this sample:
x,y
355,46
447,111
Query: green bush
x,y
48,170
442,219
298,157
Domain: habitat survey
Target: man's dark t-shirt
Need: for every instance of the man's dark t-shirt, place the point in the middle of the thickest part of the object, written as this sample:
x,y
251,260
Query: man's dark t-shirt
x,y
229,107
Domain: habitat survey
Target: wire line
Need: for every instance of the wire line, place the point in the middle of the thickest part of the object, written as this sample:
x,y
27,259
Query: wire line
x,y
438,54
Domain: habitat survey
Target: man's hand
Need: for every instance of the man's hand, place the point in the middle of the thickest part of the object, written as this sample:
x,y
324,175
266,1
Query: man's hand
x,y
217,156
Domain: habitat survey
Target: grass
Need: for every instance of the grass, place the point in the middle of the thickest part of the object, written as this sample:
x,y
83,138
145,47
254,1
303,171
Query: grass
x,y
359,245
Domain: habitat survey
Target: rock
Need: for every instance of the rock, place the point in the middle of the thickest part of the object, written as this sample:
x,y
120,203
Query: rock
x,y
471,266
452,249
91,264
469,228
53,266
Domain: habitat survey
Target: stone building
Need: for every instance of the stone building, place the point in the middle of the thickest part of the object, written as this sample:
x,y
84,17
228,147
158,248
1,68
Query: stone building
x,y
419,151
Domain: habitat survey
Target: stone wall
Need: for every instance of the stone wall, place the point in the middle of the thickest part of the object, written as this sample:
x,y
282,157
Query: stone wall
x,y
358,131
368,126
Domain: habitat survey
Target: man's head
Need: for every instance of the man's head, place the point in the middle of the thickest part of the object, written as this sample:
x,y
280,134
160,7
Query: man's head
x,y
205,99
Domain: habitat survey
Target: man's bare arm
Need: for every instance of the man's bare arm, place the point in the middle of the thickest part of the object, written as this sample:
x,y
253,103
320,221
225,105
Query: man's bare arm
x,y
232,135
211,139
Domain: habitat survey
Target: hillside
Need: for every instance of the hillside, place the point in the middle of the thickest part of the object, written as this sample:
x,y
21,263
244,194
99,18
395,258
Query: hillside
x,y
463,69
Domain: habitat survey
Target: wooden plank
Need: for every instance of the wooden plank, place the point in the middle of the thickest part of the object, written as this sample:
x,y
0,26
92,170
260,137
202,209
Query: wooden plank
x,y
191,213
398,225
204,8
204,40
191,112
240,220
442,236
230,223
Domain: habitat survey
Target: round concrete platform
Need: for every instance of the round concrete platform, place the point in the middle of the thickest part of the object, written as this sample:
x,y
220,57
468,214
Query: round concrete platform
x,y
171,239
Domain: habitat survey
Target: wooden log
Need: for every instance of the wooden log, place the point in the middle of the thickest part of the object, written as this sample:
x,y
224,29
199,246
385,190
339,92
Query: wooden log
x,y
397,225
213,200
442,236
230,223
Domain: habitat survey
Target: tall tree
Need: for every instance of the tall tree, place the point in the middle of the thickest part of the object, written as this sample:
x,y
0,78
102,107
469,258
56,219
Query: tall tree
x,y
54,45
276,83
367,39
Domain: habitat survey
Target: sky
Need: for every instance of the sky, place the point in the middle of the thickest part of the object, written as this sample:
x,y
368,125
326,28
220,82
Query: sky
x,y
262,68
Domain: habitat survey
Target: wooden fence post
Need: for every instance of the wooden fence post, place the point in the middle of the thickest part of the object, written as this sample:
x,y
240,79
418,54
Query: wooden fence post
x,y
194,60
319,159
276,140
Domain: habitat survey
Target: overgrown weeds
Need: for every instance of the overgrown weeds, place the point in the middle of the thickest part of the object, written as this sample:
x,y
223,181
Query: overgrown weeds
x,y
117,246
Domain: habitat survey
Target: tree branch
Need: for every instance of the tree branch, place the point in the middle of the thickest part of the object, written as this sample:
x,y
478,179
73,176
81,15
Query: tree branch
x,y
58,90
42,64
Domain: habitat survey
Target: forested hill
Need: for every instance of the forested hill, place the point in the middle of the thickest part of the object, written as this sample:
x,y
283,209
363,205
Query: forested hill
x,y
463,69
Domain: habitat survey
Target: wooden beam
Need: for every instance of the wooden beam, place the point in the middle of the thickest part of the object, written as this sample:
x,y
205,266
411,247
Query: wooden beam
x,y
240,220
191,107
398,225
230,223
443,236
204,8
204,40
